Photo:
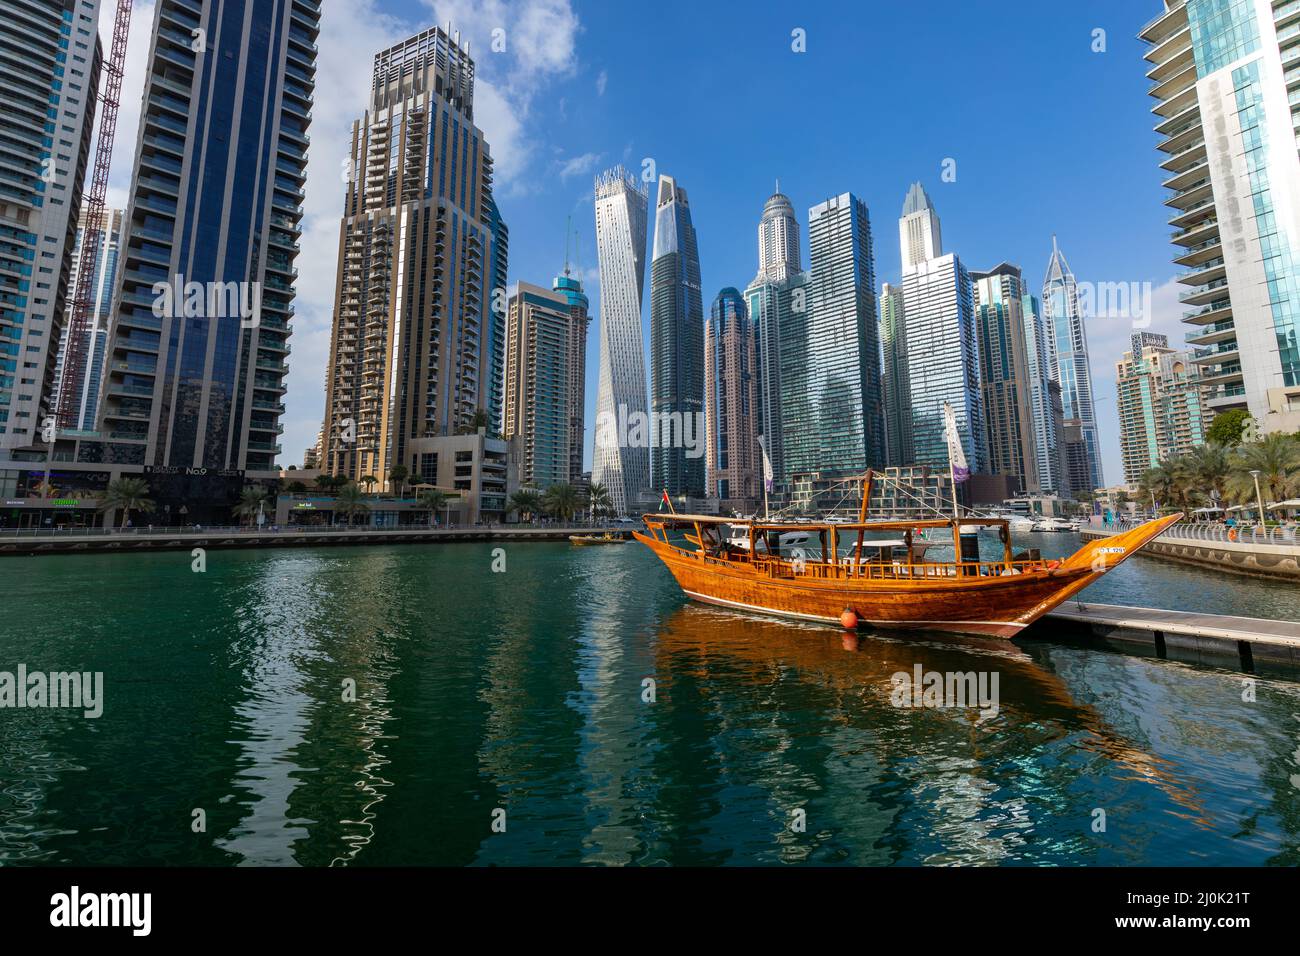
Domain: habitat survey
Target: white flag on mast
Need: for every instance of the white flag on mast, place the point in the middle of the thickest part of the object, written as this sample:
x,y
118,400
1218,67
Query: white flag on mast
x,y
956,454
767,465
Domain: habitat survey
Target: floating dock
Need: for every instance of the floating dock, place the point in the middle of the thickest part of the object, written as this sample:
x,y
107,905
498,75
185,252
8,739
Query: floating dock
x,y
1214,639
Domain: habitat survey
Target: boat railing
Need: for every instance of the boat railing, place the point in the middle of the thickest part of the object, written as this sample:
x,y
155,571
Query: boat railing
x,y
891,570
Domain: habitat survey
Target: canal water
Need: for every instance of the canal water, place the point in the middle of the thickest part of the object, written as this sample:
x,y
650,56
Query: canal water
x,y
508,717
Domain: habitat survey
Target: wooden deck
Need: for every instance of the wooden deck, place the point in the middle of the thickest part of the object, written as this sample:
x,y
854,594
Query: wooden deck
x,y
1182,632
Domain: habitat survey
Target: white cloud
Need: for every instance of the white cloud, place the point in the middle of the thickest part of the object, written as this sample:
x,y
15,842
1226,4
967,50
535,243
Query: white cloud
x,y
129,100
601,82
577,165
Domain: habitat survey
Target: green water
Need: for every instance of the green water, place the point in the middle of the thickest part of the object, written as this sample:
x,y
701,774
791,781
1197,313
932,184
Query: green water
x,y
523,691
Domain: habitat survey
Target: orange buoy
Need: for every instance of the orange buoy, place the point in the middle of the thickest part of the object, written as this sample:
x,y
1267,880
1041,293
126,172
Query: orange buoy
x,y
1053,565
848,619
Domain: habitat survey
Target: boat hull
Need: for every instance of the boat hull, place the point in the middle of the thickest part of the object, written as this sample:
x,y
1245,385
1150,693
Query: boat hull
x,y
997,606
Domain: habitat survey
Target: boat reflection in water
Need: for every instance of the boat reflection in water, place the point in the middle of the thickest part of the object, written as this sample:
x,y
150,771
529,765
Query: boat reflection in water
x,y
900,781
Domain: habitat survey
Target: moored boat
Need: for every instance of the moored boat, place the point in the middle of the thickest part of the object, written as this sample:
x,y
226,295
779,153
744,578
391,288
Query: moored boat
x,y
851,579
585,540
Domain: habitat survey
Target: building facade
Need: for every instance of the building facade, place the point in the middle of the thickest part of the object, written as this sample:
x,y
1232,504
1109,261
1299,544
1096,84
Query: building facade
x,y
196,364
1161,411
733,457
621,457
919,236
836,425
545,372
49,75
943,361
414,338
676,347
86,386
1222,72
1022,433
895,390
1068,357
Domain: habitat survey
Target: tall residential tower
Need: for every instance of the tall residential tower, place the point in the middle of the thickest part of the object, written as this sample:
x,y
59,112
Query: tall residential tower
x,y
414,351
1068,357
621,458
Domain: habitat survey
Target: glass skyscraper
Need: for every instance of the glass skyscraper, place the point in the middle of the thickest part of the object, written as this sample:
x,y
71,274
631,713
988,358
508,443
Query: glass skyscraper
x,y
836,426
1068,357
1222,74
49,72
894,383
103,275
216,203
621,463
676,346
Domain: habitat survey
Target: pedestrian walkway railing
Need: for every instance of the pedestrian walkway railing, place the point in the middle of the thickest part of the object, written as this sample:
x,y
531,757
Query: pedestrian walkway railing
x,y
1214,532
291,531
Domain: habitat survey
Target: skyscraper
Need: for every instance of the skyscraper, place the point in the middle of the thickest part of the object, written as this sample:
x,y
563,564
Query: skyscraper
x,y
414,352
1161,413
894,378
545,372
103,274
943,361
621,459
919,237
776,294
1021,428
932,348
1222,74
837,428
734,459
49,71
676,346
196,356
498,263
1068,357
778,239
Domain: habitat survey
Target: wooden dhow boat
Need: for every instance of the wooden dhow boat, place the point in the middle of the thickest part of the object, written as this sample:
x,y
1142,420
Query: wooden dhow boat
x,y
855,580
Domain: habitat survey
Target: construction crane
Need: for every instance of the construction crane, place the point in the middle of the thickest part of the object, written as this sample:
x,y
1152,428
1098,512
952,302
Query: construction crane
x,y
79,316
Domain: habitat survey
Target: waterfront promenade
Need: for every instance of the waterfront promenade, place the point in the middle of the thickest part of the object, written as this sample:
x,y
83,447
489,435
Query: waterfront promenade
x,y
19,542
1274,552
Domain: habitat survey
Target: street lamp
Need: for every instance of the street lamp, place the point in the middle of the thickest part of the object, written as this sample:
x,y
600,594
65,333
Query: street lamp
x,y
1254,473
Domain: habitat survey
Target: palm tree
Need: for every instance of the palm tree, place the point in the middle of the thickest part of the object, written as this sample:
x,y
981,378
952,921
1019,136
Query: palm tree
x,y
397,476
1157,483
251,501
1276,457
1210,464
561,501
526,502
296,488
598,498
476,421
129,494
432,499
369,481
329,482
350,501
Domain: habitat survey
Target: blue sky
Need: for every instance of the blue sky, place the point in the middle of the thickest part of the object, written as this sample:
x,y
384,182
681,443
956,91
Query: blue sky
x,y
1046,134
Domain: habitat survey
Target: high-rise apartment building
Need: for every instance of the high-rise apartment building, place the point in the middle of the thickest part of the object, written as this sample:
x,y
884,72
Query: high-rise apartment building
x,y
1223,74
1023,442
498,266
87,384
774,299
49,74
676,347
733,456
837,426
894,376
545,372
1067,340
197,354
919,236
1161,412
943,361
414,353
931,348
621,458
